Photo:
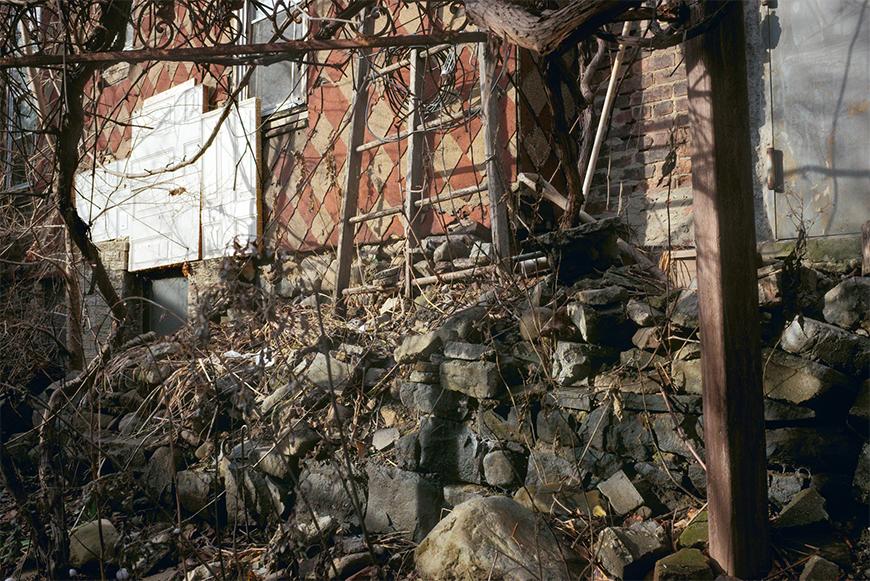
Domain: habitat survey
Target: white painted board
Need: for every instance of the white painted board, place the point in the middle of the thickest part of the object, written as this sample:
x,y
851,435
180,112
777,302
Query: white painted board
x,y
230,198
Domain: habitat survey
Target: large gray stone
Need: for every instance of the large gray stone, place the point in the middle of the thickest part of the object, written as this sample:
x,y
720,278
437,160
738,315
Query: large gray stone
x,y
503,468
451,450
416,347
452,248
572,362
797,380
326,489
848,303
329,373
621,493
627,552
467,351
251,496
160,472
92,542
842,350
401,501
684,565
433,399
642,314
464,325
600,297
686,309
553,467
479,379
493,538
806,508
820,569
598,325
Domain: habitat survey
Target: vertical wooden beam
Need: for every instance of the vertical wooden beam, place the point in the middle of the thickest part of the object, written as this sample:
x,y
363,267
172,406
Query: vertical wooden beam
x,y
414,177
492,120
350,198
727,286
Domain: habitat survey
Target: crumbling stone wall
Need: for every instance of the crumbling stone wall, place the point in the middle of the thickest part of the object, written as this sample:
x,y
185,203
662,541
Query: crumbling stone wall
x,y
96,319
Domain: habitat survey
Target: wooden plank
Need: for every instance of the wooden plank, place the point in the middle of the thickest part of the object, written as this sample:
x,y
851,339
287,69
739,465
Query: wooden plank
x,y
727,286
414,176
493,120
350,199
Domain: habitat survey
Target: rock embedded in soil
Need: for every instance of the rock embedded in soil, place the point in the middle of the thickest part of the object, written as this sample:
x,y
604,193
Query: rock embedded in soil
x,y
196,489
493,538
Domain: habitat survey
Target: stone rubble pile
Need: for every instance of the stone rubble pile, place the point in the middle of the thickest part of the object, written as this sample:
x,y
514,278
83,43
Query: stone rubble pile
x,y
548,431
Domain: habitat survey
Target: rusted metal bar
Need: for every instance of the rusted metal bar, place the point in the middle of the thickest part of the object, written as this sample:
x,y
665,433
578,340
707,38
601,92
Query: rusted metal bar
x,y
289,49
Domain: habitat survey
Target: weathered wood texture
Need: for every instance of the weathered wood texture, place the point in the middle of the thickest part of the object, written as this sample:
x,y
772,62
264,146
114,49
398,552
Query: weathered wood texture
x,y
495,173
725,240
350,199
544,32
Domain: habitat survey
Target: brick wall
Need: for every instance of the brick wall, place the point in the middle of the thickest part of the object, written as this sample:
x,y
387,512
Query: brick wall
x,y
650,119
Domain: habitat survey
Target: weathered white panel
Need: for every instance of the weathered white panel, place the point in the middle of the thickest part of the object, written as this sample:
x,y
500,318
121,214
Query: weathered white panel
x,y
230,188
101,201
165,205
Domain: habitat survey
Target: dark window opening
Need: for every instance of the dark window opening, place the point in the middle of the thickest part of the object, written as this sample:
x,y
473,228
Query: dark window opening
x,y
165,307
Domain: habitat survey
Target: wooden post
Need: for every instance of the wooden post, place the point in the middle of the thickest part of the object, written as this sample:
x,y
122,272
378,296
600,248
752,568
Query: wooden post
x,y
498,215
727,286
414,176
350,198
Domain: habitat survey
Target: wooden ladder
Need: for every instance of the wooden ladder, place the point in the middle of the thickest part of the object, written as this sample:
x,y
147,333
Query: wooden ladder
x,y
414,203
